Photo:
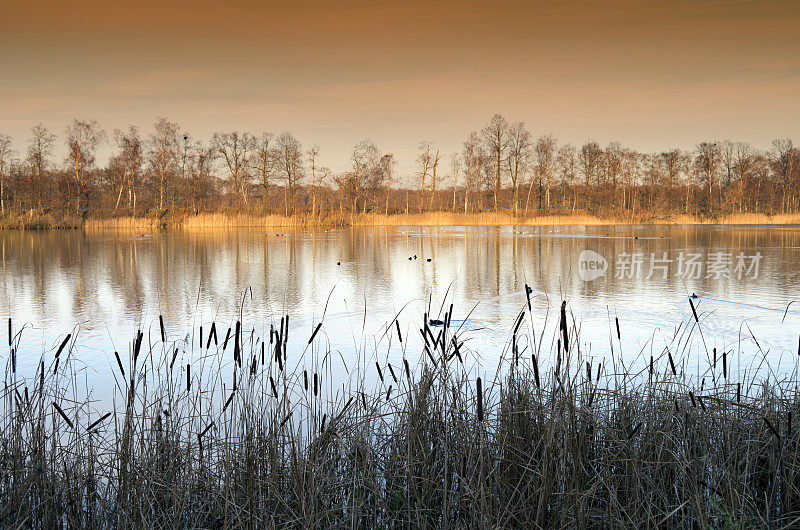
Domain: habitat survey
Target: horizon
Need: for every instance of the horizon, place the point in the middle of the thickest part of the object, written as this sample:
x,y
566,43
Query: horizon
x,y
649,75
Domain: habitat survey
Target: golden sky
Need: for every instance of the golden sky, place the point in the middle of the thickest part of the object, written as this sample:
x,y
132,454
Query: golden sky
x,y
651,74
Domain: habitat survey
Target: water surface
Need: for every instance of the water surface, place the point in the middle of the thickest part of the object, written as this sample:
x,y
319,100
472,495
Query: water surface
x,y
104,286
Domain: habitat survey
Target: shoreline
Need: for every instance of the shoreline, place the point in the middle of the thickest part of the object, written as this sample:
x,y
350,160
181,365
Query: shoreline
x,y
230,220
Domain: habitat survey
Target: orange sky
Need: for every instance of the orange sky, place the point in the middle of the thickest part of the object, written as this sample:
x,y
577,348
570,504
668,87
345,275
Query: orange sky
x,y
651,74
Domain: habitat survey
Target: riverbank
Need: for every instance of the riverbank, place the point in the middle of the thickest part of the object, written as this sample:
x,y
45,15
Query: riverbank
x,y
232,219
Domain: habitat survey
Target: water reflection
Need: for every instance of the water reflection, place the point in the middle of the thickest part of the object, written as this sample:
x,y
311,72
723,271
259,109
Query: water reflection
x,y
110,284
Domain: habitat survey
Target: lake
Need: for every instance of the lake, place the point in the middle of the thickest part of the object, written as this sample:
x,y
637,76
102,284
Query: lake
x,y
102,287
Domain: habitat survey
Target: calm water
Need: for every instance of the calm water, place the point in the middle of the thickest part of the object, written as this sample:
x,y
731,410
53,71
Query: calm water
x,y
105,286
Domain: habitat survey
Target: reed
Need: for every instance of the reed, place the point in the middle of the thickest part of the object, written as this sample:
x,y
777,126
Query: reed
x,y
235,219
532,444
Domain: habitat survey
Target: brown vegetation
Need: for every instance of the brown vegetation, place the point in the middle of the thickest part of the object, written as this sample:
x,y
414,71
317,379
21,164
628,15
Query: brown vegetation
x,y
168,177
570,443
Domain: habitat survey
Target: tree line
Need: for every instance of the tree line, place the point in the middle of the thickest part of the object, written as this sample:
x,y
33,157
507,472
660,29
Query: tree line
x,y
502,167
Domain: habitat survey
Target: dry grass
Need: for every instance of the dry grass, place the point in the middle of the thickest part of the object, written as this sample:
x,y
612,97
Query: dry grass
x,y
218,433
232,219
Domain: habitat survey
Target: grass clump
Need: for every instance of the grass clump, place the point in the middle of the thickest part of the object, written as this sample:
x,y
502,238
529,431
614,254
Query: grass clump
x,y
224,434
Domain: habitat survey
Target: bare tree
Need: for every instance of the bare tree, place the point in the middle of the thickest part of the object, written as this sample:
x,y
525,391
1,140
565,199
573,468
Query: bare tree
x,y
201,163
265,164
473,156
83,137
290,160
519,157
387,165
5,162
785,166
496,136
424,163
567,162
164,155
312,154
128,162
707,161
236,150
546,153
590,158
40,149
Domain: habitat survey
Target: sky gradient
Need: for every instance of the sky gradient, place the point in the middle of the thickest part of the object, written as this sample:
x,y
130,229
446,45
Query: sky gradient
x,y
651,74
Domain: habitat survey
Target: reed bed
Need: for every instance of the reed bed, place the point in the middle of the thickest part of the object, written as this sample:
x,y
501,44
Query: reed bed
x,y
225,429
235,219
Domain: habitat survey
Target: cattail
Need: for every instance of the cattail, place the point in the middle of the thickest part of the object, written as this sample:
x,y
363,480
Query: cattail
x,y
98,421
161,325
13,361
588,371
400,336
518,323
212,333
671,363
324,417
694,312
715,358
738,392
237,355
227,337
651,366
137,346
63,343
457,349
201,337
535,370
391,371
174,356
691,396
528,296
479,390
41,376
388,392
305,380
204,431
272,384
724,364
228,401
616,319
380,374
63,415
772,428
564,325
364,400
316,385
408,371
119,363
188,378
262,353
315,333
